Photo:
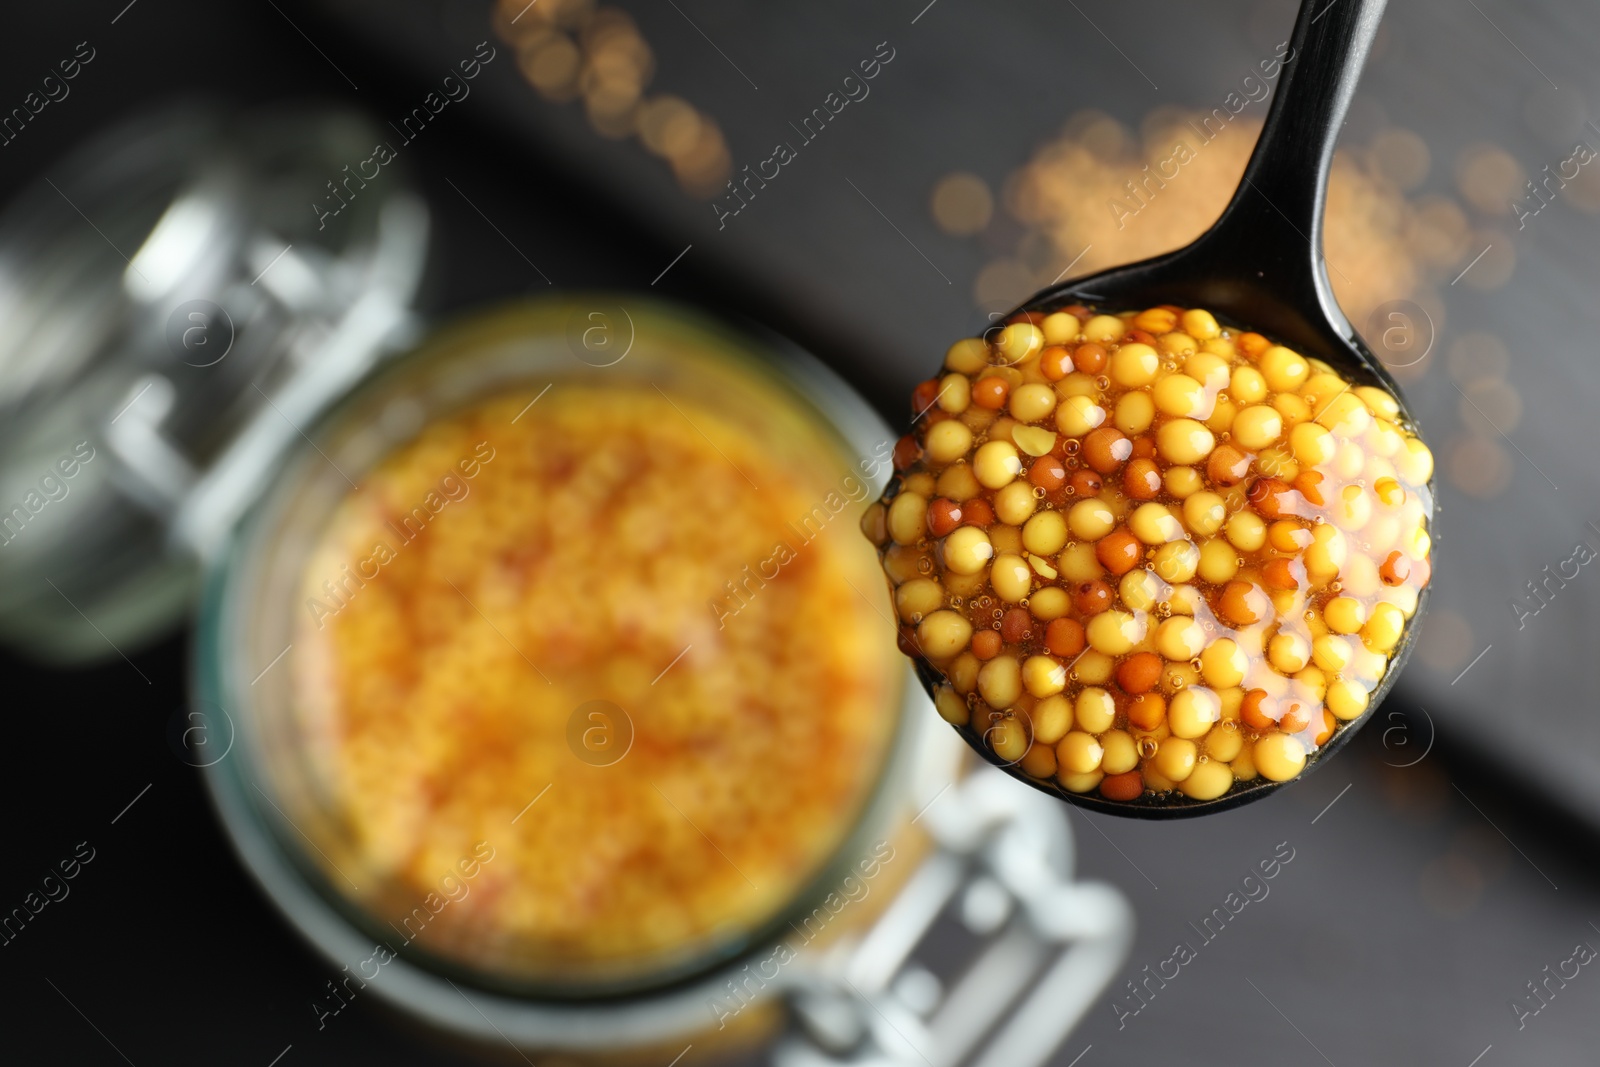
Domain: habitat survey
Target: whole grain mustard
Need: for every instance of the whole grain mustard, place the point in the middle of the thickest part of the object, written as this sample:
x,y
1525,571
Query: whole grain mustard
x,y
1150,555
518,562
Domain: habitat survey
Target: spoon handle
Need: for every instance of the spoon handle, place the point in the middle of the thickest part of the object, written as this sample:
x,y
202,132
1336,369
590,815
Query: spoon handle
x,y
1275,218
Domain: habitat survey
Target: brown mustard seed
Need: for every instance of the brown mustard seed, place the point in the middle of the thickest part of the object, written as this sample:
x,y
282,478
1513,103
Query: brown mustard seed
x,y
1139,673
1280,573
1125,786
1016,626
1259,710
1242,603
1090,358
1296,717
990,393
1048,472
1086,483
1064,637
977,513
1395,570
1055,363
1141,479
1106,448
906,452
1118,551
943,516
1091,597
1227,466
1147,710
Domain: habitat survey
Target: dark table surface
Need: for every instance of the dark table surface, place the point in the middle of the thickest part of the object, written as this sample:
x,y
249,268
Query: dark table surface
x,y
1426,889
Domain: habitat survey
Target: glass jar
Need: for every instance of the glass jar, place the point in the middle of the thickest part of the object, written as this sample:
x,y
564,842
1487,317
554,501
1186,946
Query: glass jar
x,y
266,607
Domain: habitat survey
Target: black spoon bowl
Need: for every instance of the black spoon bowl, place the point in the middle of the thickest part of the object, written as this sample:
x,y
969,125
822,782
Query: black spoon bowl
x,y
1259,266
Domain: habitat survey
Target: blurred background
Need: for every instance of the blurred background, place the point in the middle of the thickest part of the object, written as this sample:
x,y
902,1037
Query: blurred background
x,y
1442,867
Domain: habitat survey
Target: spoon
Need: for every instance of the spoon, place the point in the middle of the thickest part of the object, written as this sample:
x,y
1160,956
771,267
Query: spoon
x,y
1259,266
